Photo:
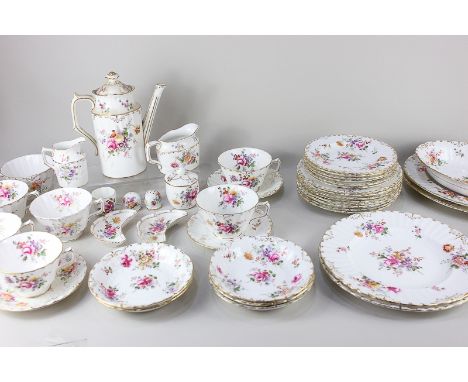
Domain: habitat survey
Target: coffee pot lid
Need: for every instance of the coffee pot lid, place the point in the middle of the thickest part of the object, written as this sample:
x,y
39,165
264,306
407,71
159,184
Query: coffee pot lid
x,y
181,177
113,86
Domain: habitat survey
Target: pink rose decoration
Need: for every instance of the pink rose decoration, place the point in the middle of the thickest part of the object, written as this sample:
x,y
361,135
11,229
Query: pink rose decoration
x,y
126,261
112,144
261,276
297,278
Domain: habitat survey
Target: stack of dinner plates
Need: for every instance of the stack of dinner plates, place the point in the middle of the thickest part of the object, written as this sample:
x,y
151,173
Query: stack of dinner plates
x,y
261,273
439,171
348,174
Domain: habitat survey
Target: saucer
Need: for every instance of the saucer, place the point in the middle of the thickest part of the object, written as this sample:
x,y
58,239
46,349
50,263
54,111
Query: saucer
x,y
108,228
66,282
152,228
198,232
272,183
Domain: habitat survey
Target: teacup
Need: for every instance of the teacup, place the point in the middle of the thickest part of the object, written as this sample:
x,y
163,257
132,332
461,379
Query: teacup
x,y
29,262
31,170
69,174
247,166
64,212
108,195
14,195
10,224
228,209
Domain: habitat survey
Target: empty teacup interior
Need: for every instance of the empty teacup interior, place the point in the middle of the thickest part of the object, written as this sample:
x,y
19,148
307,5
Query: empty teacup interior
x,y
244,159
103,193
60,203
227,199
28,251
11,191
9,224
24,167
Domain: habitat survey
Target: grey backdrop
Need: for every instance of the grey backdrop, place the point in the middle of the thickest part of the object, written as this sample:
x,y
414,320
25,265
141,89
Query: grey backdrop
x,y
275,93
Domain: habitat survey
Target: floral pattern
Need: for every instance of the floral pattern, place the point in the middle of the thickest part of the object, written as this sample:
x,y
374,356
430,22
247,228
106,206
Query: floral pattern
x,y
269,254
143,259
69,172
243,160
348,156
30,248
434,158
109,205
64,230
157,227
186,197
171,287
8,191
230,197
226,227
63,199
232,284
120,142
110,292
262,276
458,257
126,104
186,157
398,261
380,162
368,283
27,282
65,273
417,232
323,157
372,229
355,143
144,282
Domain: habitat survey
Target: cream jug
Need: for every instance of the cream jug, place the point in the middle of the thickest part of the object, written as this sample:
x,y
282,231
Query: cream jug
x,y
120,136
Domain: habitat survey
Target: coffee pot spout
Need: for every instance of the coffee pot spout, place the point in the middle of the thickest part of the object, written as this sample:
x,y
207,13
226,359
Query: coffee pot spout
x,y
151,112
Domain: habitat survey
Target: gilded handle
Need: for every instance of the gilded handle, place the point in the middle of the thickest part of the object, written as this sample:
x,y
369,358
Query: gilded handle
x,y
76,126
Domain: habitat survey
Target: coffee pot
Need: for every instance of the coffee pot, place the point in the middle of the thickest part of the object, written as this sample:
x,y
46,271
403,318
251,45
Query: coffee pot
x,y
119,133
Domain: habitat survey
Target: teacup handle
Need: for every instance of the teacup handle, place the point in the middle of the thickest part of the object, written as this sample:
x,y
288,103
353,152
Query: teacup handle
x,y
34,194
67,258
46,154
28,223
275,164
148,152
100,210
265,206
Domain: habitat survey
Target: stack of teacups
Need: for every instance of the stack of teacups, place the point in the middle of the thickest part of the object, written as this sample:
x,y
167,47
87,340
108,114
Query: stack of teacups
x,y
348,174
68,162
247,166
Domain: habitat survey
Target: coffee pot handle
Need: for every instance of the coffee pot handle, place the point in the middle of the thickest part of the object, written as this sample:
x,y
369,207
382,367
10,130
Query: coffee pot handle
x,y
148,152
76,126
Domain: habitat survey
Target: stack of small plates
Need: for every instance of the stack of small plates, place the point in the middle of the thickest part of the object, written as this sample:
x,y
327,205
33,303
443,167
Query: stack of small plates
x,y
348,174
261,273
397,260
436,171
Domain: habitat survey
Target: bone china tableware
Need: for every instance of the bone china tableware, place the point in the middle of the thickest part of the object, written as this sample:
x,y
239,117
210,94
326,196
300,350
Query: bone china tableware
x,y
152,228
398,258
200,233
182,188
131,200
108,196
14,195
271,185
416,172
108,228
228,209
266,272
31,170
64,212
120,136
70,174
447,163
66,151
11,224
153,199
67,280
141,277
247,166
29,261
179,147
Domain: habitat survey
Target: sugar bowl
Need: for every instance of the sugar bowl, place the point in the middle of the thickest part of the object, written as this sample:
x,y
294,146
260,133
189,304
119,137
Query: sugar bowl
x,y
182,188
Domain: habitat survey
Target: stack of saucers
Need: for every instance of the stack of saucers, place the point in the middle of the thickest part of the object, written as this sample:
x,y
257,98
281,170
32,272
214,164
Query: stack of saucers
x,y
349,174
261,273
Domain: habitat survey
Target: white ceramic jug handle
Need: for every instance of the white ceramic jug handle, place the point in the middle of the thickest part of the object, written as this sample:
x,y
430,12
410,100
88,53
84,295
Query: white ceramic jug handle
x,y
275,164
67,258
76,126
47,153
148,152
100,210
28,223
265,206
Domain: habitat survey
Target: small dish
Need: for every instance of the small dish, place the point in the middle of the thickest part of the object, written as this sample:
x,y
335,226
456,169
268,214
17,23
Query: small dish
x,y
447,163
200,234
66,281
141,277
265,272
108,228
31,170
270,186
152,228
11,224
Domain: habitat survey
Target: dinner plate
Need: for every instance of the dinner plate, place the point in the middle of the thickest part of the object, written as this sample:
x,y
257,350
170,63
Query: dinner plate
x,y
399,258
